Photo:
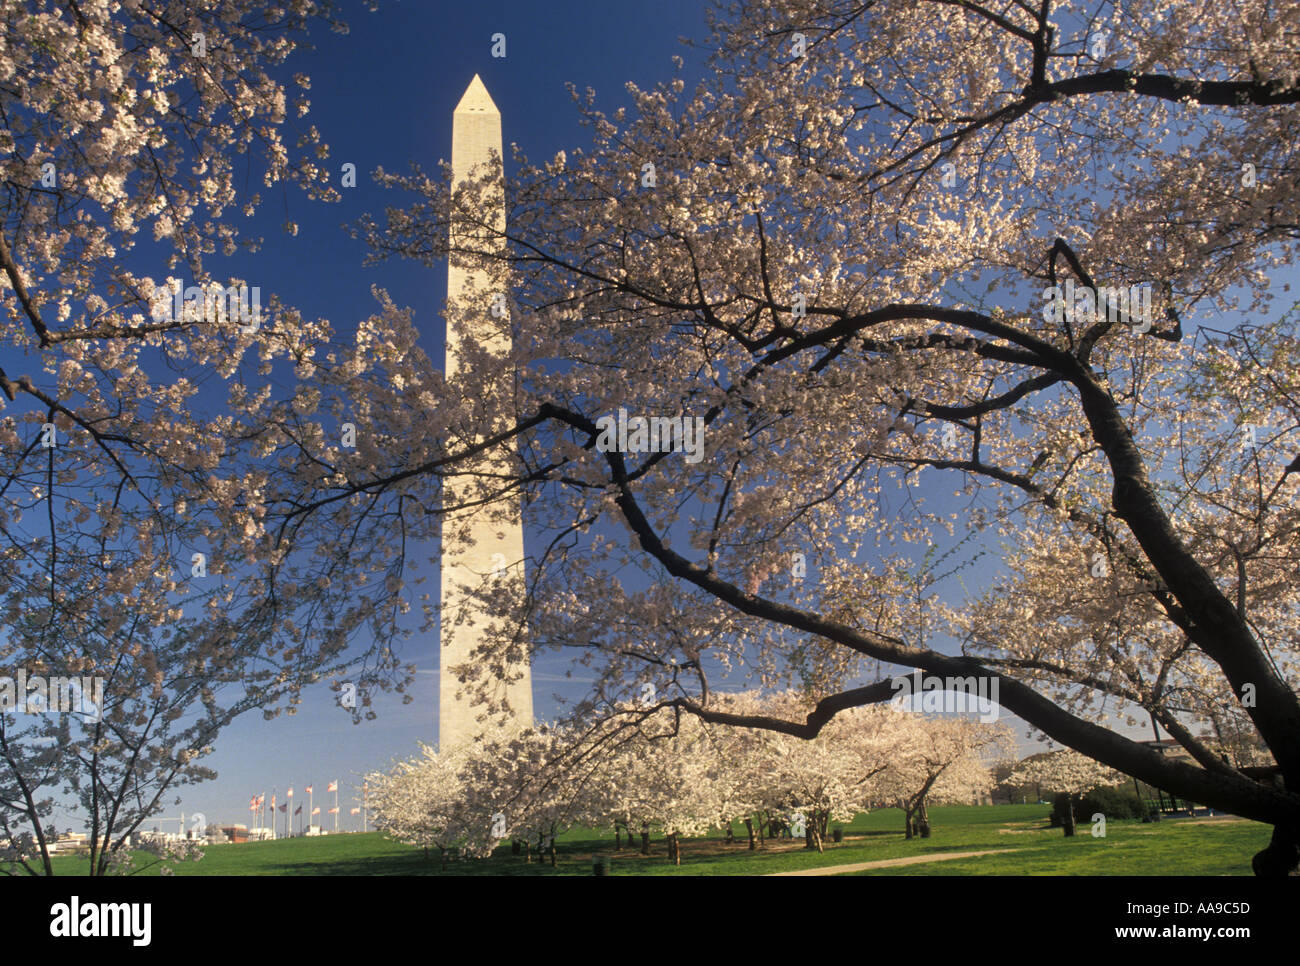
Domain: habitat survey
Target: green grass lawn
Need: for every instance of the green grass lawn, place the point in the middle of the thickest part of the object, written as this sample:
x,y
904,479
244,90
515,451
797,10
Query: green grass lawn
x,y
1172,847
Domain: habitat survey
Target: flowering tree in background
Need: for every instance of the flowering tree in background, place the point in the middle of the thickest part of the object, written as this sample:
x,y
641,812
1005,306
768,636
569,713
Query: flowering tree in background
x,y
1069,772
673,774
829,777
876,253
942,760
530,787
617,800
420,801
680,784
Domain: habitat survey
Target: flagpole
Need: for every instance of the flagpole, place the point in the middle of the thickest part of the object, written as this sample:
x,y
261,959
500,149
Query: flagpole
x,y
336,807
310,799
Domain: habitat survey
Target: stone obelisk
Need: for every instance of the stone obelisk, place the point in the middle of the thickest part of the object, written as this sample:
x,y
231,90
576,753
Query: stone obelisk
x,y
482,547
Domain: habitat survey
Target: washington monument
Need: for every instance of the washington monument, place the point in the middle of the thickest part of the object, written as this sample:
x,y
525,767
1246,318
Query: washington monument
x,y
486,549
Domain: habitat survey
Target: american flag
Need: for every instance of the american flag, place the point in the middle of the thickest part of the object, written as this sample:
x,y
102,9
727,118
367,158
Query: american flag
x,y
289,793
333,786
252,804
356,811
333,811
308,789
284,807
314,811
298,810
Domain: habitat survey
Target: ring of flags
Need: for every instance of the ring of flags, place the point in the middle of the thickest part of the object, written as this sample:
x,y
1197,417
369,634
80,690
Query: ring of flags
x,y
257,802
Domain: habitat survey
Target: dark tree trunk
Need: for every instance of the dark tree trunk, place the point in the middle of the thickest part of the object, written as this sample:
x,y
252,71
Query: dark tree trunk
x,y
749,827
813,833
645,840
730,837
1281,856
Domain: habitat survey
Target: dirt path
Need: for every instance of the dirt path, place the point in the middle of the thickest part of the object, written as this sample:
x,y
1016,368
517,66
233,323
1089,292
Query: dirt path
x,y
887,863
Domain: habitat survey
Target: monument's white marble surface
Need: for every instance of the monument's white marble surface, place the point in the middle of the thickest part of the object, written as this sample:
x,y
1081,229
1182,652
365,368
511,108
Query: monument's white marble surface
x,y
494,540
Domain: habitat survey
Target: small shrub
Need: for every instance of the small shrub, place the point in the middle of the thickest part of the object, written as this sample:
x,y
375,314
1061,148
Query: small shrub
x,y
1060,802
1114,803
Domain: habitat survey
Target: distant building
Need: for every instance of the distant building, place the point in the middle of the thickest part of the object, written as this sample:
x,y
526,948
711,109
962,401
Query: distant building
x,y
1169,748
68,842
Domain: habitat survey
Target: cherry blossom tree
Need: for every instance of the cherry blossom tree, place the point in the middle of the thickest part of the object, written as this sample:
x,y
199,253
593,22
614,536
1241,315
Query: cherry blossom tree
x,y
531,787
825,779
941,759
616,801
673,774
420,801
132,546
909,271
1069,772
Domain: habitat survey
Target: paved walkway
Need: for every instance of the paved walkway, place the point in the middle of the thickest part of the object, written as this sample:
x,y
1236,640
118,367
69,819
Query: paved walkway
x,y
888,863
